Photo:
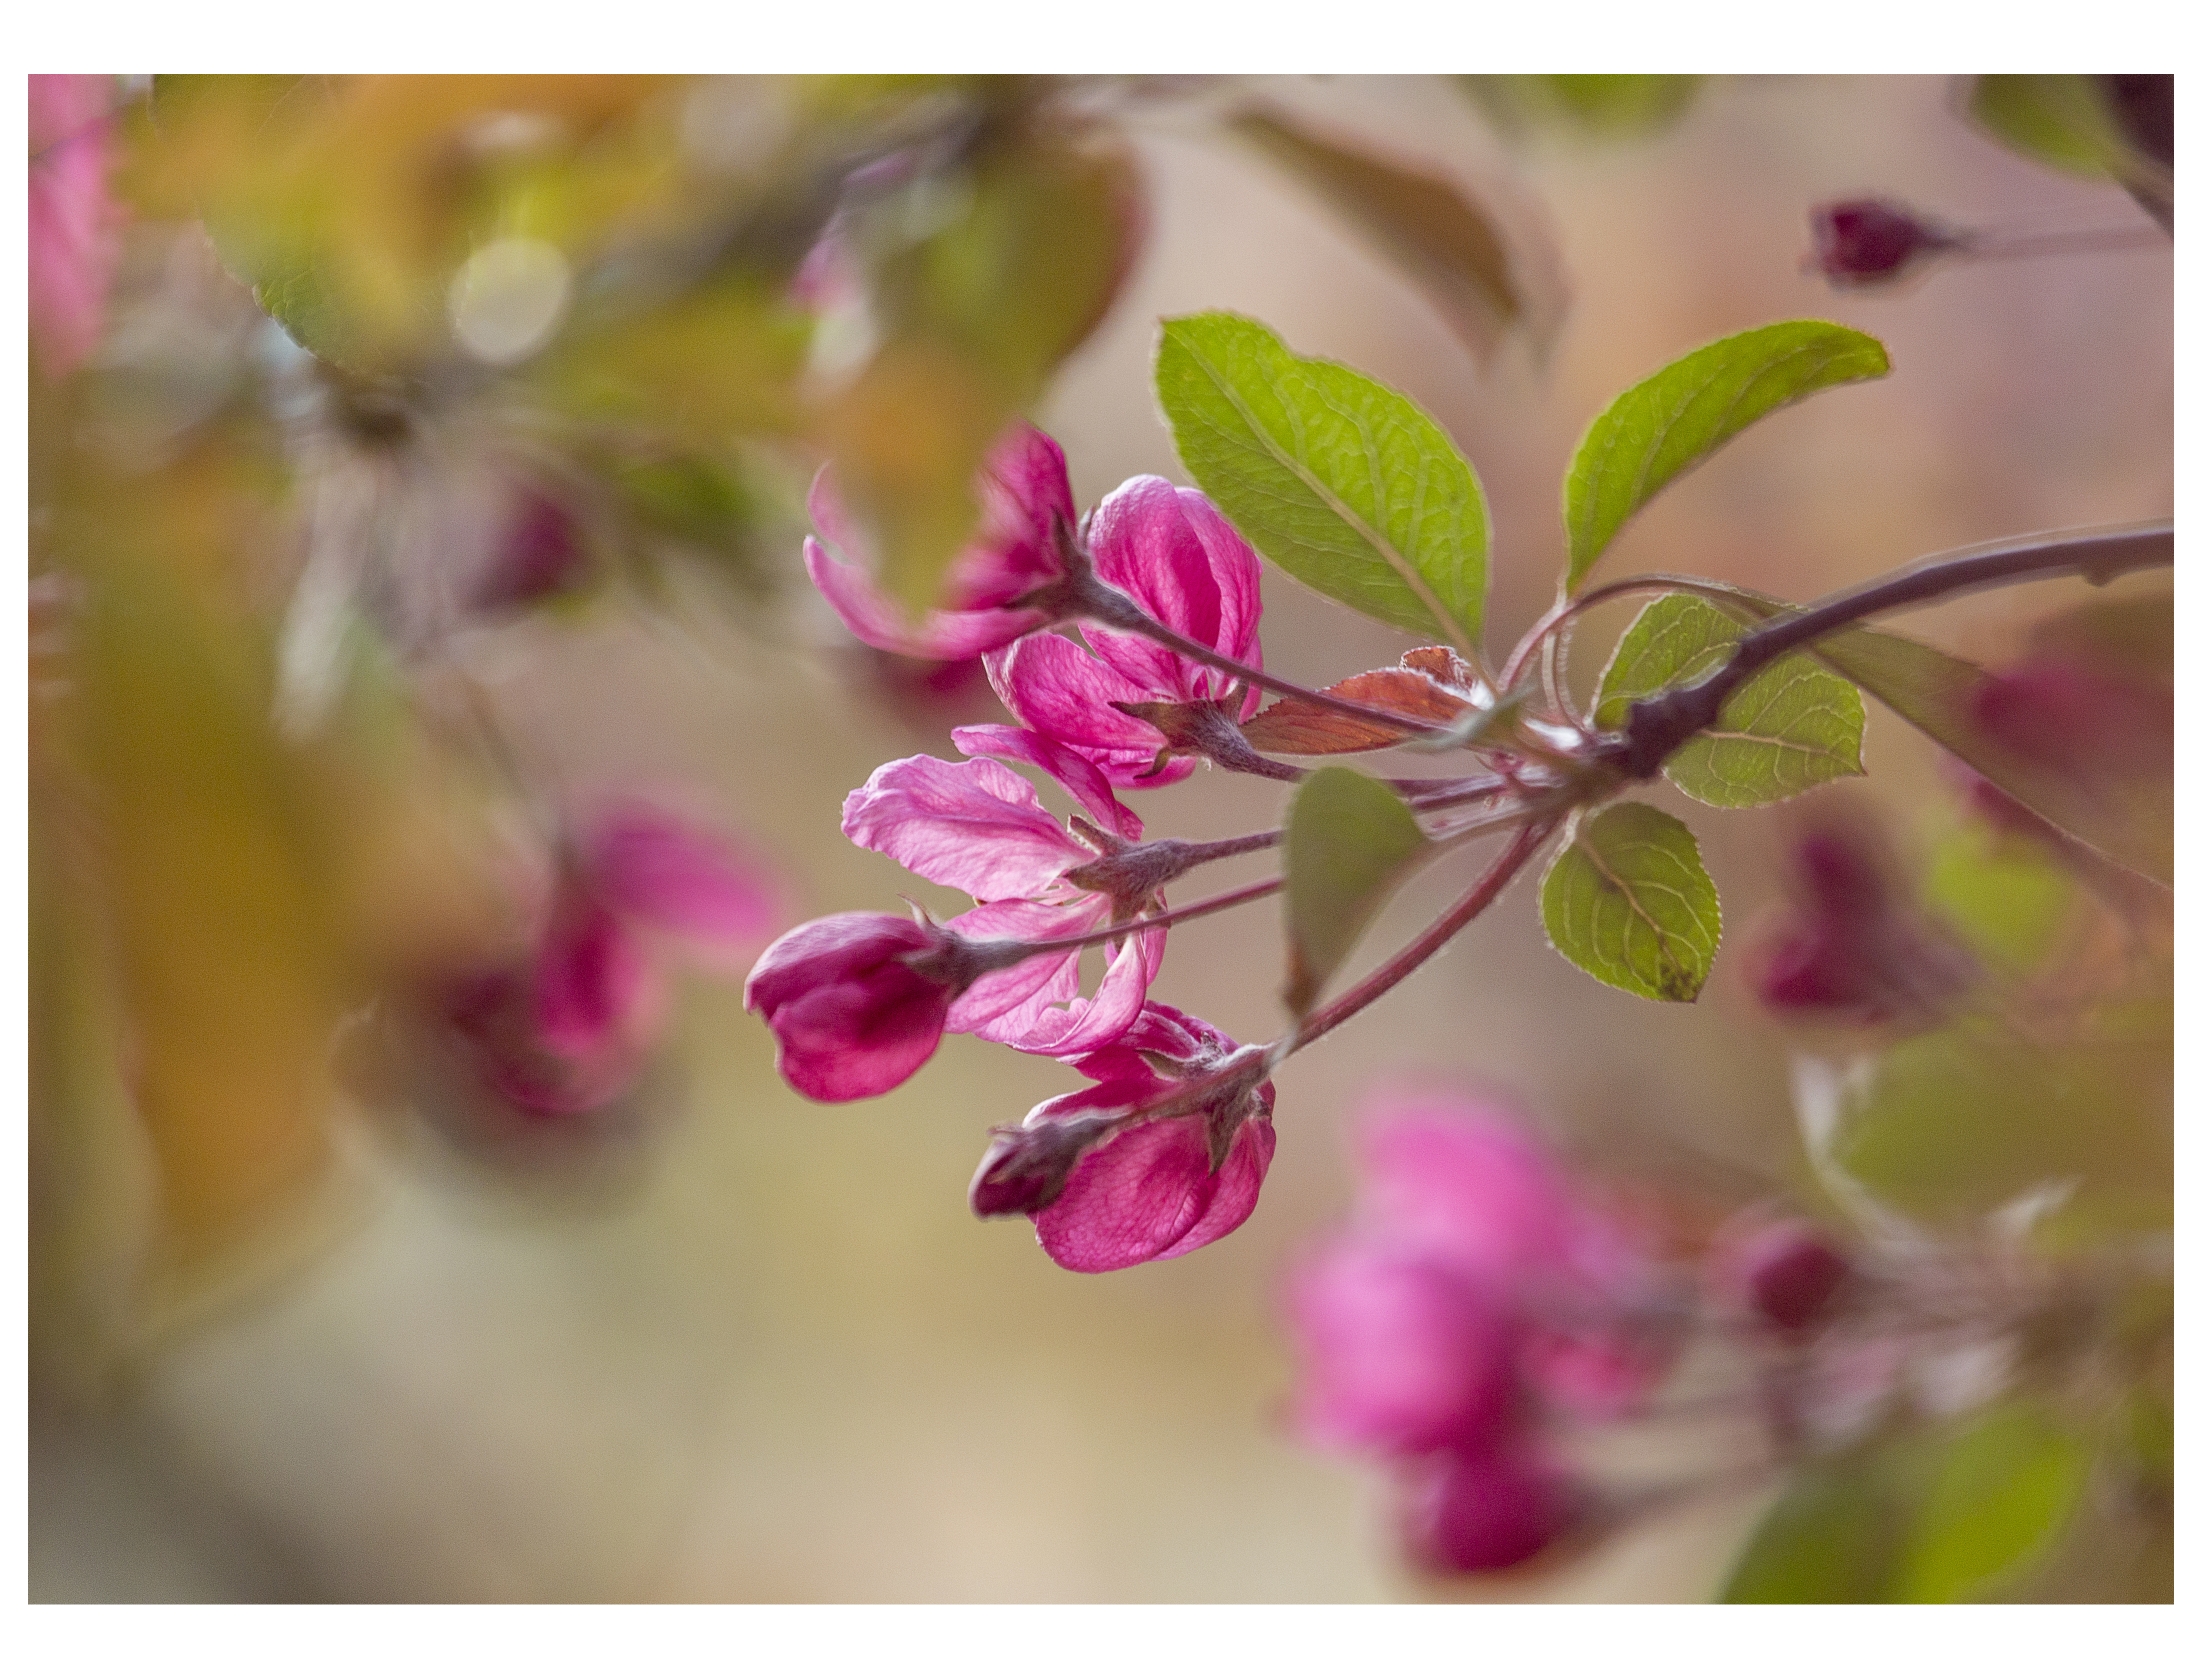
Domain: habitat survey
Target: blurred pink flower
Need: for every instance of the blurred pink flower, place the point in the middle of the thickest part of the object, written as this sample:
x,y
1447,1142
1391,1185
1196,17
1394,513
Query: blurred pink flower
x,y
569,1028
1178,557
1486,1508
1785,1273
980,828
1023,491
1107,1194
74,220
1866,241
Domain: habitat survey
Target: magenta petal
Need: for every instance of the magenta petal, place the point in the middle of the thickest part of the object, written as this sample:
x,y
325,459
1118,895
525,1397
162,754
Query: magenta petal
x,y
1458,1179
1011,998
669,875
592,983
73,219
849,1016
1484,1509
1065,693
940,636
1071,770
975,826
1398,1355
1173,551
1083,1026
1150,1193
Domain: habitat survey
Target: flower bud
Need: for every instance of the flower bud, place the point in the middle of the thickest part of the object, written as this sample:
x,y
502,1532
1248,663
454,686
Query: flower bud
x,y
1867,242
1787,1273
538,551
853,1013
1485,1509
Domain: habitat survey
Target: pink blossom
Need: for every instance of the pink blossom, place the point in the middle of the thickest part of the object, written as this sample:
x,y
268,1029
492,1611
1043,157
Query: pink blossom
x,y
2077,719
980,828
1487,1508
1174,553
1107,1193
74,220
852,1012
1400,1353
567,1029
1866,241
1023,492
1477,1282
1852,946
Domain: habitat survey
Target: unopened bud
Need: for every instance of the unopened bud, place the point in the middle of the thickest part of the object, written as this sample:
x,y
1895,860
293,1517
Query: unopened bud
x,y
1787,1273
1866,241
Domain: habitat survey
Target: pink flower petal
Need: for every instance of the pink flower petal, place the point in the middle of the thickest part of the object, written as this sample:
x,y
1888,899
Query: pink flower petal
x,y
1149,1193
1023,488
592,982
1485,1509
1065,693
669,875
975,826
74,220
1084,1025
1173,551
1071,770
1019,994
1398,1354
850,1018
1457,1178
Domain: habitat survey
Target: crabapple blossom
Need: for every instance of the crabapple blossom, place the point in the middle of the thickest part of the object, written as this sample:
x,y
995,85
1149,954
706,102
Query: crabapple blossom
x,y
990,587
1146,1163
1865,241
854,1003
567,1028
1176,556
980,828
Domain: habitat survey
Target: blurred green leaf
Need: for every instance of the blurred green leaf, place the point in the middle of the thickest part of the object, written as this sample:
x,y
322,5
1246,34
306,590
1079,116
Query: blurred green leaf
x,y
1834,1535
2000,1494
1673,420
1606,107
1441,237
2007,896
2131,823
1628,901
1792,727
2062,121
1955,1123
1345,484
1021,253
1350,842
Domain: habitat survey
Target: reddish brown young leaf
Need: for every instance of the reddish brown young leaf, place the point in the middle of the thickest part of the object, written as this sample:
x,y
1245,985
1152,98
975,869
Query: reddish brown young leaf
x,y
1303,729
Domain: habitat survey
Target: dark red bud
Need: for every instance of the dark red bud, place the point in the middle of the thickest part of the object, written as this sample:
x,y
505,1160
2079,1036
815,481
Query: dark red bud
x,y
1865,241
1787,1273
539,552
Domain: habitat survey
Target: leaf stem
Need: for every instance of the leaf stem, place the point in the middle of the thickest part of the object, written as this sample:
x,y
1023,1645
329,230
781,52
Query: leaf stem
x,y
1416,953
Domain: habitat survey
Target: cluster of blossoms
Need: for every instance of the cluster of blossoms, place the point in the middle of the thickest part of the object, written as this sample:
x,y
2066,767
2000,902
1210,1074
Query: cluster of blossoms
x,y
1166,1150
1485,1317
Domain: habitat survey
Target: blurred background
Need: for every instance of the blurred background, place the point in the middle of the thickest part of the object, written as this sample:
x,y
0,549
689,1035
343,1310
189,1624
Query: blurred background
x,y
729,1345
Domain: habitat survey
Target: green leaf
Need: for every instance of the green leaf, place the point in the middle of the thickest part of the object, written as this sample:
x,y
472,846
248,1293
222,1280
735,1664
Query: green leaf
x,y
2131,823
1628,900
1429,226
1952,1124
2061,121
1833,1536
1792,727
1347,485
1350,842
1609,107
1675,419
2000,1494
2005,893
